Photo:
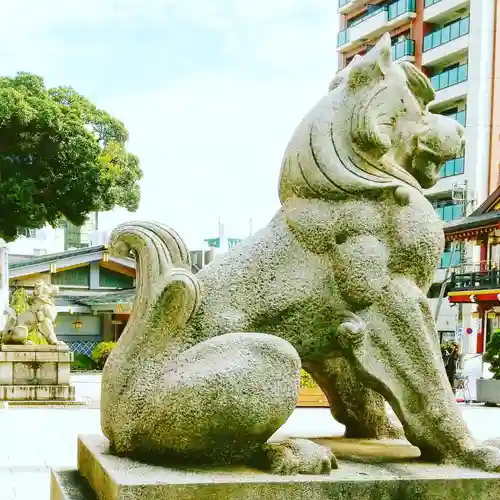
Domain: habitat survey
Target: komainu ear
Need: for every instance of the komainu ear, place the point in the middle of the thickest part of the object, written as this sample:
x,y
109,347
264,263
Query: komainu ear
x,y
342,75
419,84
373,66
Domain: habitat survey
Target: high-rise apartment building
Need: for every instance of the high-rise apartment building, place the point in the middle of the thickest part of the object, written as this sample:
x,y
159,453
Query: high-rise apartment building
x,y
456,43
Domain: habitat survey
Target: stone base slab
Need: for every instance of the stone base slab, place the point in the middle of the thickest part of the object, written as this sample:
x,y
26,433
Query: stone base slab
x,y
38,366
37,393
114,478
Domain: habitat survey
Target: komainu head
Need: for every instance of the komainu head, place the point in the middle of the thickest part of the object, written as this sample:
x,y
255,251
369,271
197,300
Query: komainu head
x,y
372,131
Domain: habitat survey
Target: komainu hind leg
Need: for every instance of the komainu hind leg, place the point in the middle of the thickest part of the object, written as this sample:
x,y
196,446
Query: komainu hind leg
x,y
221,401
352,403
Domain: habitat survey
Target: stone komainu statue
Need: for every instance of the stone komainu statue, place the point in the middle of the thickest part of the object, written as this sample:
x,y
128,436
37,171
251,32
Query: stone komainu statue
x,y
208,366
41,314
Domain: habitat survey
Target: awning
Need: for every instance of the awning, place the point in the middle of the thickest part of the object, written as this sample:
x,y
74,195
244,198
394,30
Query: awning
x,y
474,296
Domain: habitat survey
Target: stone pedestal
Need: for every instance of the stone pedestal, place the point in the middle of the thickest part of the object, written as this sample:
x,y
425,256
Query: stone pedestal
x,y
105,477
35,373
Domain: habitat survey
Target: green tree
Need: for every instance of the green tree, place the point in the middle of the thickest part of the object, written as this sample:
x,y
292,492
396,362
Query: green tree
x,y
492,354
60,156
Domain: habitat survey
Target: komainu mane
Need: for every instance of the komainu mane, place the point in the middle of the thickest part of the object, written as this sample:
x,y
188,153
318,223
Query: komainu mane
x,y
208,366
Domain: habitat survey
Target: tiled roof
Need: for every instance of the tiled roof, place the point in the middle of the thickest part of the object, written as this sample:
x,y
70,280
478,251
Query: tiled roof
x,y
472,222
50,257
121,297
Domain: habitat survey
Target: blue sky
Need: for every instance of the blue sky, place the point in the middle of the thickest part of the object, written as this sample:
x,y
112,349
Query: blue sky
x,y
210,91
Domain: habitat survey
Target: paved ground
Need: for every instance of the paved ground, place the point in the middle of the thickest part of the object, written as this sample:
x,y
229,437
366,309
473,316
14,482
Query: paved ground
x,y
37,439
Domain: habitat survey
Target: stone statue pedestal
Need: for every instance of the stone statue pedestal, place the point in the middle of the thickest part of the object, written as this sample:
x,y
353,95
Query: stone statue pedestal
x,y
35,373
114,478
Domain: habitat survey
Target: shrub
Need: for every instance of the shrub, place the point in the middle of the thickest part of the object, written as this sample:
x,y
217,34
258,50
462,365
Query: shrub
x,y
81,362
306,381
492,354
101,352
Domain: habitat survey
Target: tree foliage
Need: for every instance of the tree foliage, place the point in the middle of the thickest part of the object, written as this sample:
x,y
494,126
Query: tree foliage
x,y
492,354
60,156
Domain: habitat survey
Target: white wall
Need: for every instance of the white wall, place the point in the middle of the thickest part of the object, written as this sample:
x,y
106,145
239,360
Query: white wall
x,y
46,240
481,39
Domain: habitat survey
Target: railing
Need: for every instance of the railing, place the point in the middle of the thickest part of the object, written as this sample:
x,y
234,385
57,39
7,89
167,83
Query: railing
x,y
398,8
460,117
343,2
342,37
477,266
393,10
428,3
451,77
476,280
376,9
447,34
455,166
403,48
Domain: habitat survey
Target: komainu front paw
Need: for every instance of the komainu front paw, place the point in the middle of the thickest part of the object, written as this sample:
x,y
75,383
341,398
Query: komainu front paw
x,y
350,333
299,456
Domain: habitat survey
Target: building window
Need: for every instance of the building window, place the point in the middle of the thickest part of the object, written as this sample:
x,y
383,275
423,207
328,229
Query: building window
x,y
447,259
455,166
448,210
459,116
449,77
28,233
451,31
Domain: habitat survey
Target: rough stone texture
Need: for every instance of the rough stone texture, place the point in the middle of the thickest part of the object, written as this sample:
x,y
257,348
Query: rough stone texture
x,y
340,273
114,478
41,314
35,373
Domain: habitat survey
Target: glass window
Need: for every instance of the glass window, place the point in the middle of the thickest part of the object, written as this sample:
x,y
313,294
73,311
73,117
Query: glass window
x,y
462,72
342,37
464,26
454,31
447,33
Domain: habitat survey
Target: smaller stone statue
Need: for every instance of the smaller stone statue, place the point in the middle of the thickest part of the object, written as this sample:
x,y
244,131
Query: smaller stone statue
x,y
41,313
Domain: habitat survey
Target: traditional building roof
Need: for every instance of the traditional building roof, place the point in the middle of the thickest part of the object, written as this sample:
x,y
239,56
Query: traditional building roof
x,y
51,262
472,226
485,219
117,302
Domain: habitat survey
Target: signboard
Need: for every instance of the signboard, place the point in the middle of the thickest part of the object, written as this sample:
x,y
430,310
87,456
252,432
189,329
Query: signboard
x,y
213,242
492,315
469,331
231,242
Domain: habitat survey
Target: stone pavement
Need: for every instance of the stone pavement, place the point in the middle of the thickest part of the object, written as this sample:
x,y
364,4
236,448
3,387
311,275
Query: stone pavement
x,y
37,439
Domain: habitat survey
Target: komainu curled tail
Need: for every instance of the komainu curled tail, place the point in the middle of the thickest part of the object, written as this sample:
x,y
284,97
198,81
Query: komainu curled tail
x,y
175,390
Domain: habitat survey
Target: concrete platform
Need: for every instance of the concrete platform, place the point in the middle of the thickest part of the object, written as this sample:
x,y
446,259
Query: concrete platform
x,y
35,373
113,478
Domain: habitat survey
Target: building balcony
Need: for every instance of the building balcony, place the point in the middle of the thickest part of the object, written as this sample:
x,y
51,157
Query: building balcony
x,y
450,85
446,43
375,22
404,51
346,6
436,11
472,277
